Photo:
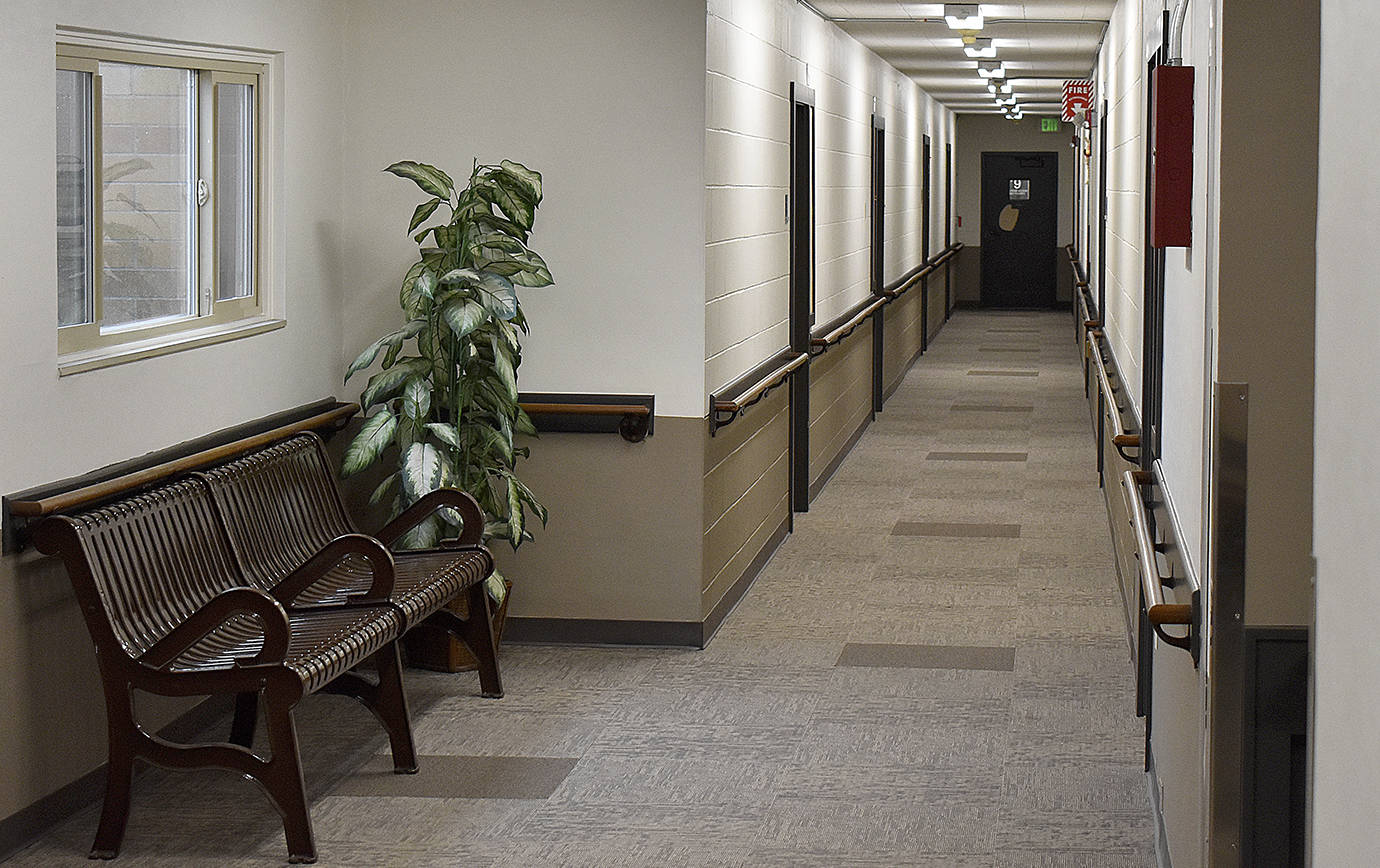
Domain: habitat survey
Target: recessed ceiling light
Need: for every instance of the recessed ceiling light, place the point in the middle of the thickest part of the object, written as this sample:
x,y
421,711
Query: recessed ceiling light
x,y
963,16
980,47
995,85
991,69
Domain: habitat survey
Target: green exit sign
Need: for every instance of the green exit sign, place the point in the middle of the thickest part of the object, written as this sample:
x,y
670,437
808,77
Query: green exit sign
x,y
1049,125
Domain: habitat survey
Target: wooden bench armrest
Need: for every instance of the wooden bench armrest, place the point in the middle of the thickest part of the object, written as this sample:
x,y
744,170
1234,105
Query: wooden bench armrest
x,y
376,553
454,498
221,608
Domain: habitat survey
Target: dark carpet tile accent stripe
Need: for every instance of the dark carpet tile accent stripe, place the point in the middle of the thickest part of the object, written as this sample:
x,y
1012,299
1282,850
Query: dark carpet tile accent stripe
x,y
992,408
1003,373
956,529
976,456
886,656
461,777
1026,350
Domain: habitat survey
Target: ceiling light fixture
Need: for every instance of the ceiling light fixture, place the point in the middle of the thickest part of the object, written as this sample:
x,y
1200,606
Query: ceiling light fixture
x,y
1006,100
991,69
996,85
980,47
963,16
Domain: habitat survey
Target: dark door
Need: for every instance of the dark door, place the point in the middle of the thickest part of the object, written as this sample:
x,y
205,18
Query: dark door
x,y
1019,228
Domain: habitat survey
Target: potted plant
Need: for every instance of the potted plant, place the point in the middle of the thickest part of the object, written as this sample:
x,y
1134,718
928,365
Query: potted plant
x,y
445,404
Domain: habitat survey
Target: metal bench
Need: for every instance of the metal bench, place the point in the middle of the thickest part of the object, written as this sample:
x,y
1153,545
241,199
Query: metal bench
x,y
172,612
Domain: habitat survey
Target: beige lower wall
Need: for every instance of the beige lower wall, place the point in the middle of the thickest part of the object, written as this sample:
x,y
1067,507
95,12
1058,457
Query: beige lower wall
x,y
623,541
901,337
746,486
934,305
840,398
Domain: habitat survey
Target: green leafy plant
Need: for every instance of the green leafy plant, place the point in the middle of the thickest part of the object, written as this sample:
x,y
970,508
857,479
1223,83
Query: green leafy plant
x,y
447,395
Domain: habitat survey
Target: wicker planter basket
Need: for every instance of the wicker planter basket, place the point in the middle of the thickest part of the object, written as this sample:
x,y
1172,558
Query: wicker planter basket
x,y
429,647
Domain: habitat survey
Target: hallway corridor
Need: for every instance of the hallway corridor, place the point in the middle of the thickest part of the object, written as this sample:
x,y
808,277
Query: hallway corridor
x,y
931,671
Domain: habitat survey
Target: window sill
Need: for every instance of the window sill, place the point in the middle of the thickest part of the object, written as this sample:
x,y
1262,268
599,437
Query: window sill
x,y
105,357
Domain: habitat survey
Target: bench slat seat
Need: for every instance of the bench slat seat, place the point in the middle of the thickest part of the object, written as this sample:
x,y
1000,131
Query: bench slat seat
x,y
323,645
423,582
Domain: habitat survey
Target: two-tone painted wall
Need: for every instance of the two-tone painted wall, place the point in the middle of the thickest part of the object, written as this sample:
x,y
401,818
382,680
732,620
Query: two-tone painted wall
x,y
1237,308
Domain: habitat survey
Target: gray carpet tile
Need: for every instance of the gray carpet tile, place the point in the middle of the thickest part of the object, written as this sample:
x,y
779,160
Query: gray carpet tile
x,y
977,456
461,777
955,529
890,656
761,750
993,408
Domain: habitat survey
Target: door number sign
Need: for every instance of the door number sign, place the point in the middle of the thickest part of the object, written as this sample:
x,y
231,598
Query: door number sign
x,y
1020,189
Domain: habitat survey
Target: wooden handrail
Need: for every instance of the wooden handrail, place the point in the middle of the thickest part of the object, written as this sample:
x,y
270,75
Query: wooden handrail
x,y
1120,438
849,323
900,285
586,409
776,371
128,482
1080,279
1157,610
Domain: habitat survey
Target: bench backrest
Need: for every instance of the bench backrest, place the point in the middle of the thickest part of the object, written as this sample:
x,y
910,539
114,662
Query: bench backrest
x,y
142,565
281,505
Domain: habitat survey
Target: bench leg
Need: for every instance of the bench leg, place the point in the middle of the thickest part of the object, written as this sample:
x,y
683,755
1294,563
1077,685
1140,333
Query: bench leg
x,y
480,629
283,780
246,717
477,632
118,777
391,709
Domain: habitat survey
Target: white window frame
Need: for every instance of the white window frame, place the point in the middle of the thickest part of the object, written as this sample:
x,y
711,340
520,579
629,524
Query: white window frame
x,y
88,346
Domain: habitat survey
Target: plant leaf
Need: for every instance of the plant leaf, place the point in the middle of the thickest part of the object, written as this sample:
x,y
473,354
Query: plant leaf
x,y
525,177
424,535
499,297
446,433
497,590
384,487
522,423
503,366
386,384
431,179
424,210
514,205
392,341
516,519
370,442
534,270
463,316
416,399
421,471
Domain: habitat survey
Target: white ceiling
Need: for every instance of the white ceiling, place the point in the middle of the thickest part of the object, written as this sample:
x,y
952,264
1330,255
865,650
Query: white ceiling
x,y
1041,42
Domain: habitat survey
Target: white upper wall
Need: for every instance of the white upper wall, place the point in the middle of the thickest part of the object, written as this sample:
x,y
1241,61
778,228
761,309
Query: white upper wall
x,y
1120,80
1346,801
756,49
52,726
606,101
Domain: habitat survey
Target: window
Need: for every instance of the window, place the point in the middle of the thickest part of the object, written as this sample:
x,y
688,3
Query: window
x,y
159,175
